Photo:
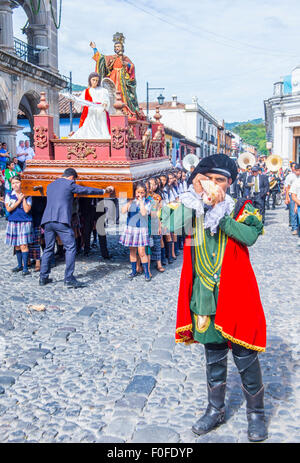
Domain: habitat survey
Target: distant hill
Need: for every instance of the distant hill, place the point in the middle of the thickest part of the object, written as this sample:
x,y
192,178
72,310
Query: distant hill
x,y
232,125
253,133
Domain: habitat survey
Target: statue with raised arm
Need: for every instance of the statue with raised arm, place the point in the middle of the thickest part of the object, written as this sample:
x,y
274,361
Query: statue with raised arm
x,y
120,69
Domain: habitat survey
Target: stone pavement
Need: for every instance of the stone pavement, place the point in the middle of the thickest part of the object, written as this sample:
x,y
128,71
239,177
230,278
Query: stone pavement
x,y
99,364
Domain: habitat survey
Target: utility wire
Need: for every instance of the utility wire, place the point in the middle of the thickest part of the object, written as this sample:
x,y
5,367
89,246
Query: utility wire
x,y
187,28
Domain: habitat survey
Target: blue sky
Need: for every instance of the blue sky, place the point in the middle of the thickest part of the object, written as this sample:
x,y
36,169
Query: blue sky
x,y
228,53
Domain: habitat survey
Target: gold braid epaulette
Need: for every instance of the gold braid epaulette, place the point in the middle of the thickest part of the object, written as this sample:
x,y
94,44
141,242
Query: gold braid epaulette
x,y
246,213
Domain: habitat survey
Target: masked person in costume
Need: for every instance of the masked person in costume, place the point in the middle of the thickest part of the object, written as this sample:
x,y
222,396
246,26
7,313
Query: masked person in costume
x,y
219,303
120,69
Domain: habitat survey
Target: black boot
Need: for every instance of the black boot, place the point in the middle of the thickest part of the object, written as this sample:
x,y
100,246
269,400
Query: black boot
x,y
253,389
216,371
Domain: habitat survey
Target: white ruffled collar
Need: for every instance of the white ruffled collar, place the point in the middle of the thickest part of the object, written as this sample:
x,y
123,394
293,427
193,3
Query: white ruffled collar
x,y
213,215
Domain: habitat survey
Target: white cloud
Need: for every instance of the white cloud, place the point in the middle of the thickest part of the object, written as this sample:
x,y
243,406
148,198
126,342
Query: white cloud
x,y
227,52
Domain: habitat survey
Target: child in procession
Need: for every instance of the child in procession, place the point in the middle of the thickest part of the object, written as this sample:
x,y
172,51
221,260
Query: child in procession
x,y
19,227
135,235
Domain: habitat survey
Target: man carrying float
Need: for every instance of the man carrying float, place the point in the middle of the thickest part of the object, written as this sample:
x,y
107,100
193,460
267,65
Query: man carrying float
x,y
219,303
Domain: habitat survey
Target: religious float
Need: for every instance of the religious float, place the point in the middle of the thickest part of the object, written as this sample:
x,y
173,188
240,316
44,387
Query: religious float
x,y
134,150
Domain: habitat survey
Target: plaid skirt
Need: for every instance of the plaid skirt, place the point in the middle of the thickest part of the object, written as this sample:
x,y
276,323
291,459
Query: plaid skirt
x,y
135,237
156,248
19,233
35,246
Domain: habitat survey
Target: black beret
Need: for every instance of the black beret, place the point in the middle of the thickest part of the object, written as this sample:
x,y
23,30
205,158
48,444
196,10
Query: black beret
x,y
216,164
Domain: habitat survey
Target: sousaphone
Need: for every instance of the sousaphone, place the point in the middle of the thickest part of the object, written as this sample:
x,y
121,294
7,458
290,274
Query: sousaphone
x,y
274,162
190,160
246,159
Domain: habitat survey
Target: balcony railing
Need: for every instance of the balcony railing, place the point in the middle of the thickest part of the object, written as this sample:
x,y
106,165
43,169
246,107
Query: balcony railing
x,y
26,52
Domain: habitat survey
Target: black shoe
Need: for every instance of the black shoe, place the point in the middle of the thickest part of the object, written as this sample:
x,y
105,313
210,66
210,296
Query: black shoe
x,y
133,275
45,281
17,269
148,278
74,284
25,272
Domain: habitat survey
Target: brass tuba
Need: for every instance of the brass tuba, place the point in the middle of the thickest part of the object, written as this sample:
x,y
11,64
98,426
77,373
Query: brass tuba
x,y
274,162
246,159
190,160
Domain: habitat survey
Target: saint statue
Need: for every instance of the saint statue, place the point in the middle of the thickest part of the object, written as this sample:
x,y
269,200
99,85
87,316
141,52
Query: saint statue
x,y
95,102
120,69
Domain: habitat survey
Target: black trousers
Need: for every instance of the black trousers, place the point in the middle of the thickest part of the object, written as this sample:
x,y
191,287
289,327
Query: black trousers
x,y
88,225
259,202
236,348
272,195
101,233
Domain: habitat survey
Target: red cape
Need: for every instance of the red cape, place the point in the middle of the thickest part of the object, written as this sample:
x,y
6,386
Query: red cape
x,y
239,314
86,110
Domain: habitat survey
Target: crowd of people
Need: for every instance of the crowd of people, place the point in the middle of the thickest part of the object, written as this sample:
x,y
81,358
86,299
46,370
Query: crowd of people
x,y
149,243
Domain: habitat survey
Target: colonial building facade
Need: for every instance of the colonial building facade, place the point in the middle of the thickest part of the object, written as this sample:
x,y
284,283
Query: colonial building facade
x,y
192,121
28,68
282,115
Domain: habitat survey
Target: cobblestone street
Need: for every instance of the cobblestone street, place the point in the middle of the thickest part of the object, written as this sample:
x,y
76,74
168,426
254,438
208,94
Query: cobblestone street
x,y
100,364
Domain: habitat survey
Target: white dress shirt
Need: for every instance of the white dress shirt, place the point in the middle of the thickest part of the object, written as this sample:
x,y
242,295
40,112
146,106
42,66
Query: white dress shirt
x,y
30,153
295,188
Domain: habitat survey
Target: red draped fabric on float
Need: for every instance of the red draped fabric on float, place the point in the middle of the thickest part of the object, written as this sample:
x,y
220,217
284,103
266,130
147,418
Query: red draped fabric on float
x,y
85,111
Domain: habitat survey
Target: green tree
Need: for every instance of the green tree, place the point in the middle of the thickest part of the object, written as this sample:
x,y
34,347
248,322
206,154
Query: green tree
x,y
253,134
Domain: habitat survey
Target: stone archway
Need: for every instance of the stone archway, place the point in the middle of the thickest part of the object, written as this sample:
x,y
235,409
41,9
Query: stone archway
x,y
41,32
4,104
28,105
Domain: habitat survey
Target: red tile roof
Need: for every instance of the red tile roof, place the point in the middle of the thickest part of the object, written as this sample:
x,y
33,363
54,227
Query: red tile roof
x,y
166,105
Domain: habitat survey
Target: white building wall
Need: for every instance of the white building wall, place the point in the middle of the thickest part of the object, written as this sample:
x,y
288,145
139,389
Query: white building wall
x,y
190,121
282,113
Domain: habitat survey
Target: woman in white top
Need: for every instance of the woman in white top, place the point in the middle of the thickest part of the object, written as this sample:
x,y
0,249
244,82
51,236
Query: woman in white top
x,y
94,123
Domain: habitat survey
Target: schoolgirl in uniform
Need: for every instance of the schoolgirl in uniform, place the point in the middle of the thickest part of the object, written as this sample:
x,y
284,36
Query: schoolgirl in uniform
x,y
19,231
135,235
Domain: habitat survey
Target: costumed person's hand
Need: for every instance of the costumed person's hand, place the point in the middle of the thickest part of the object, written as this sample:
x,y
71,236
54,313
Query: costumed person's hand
x,y
220,196
93,45
197,183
